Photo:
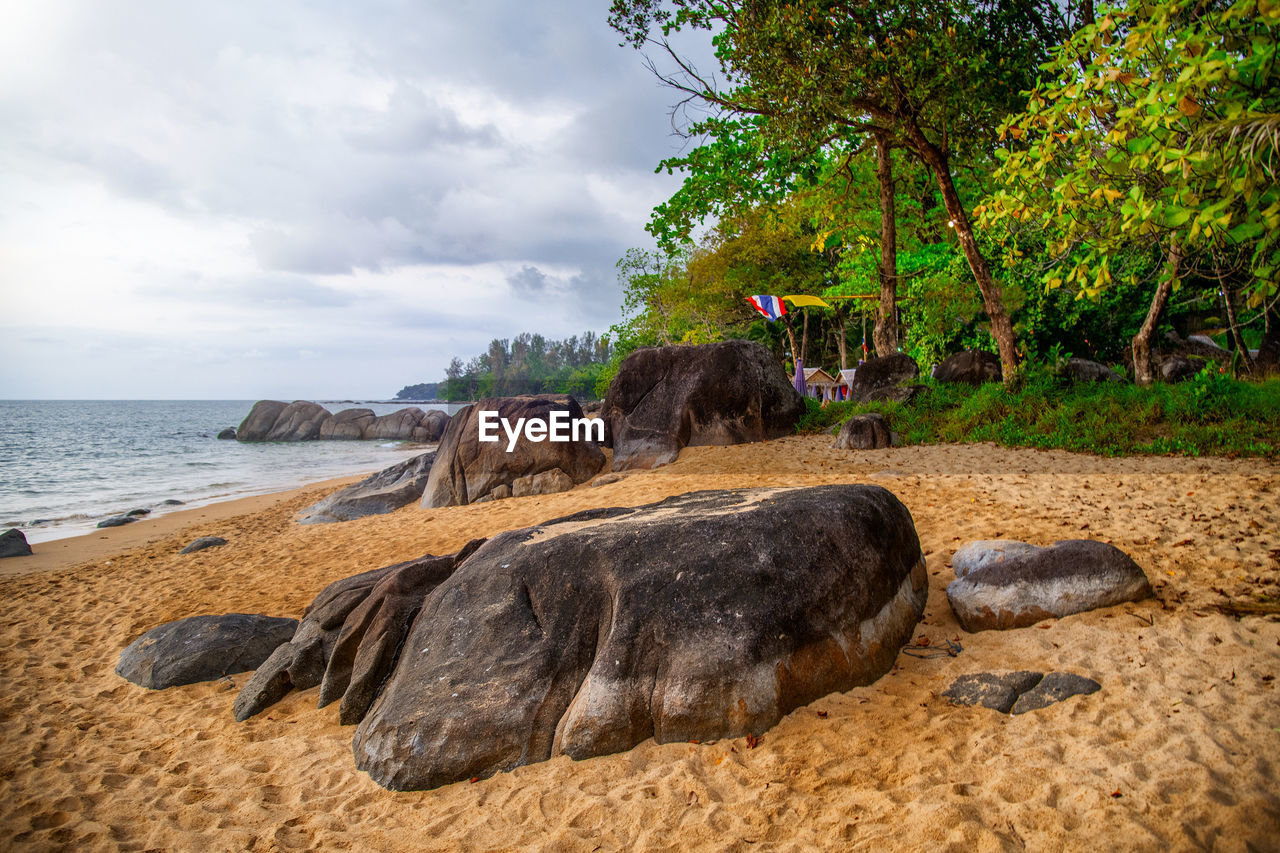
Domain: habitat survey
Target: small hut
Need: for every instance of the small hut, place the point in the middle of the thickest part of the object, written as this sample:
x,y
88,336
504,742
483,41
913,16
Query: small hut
x,y
820,384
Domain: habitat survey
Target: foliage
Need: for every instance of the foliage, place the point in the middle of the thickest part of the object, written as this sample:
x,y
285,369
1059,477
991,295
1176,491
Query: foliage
x,y
1127,145
529,364
1211,414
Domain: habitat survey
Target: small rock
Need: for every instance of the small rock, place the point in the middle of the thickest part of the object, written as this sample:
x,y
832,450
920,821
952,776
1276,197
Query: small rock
x,y
995,690
1013,584
1177,368
138,513
117,521
228,434
172,502
544,483
864,432
202,543
972,367
202,648
13,543
1084,370
1055,687
1018,692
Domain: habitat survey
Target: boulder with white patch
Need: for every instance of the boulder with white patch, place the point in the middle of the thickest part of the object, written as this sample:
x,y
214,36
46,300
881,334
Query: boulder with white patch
x,y
1003,583
707,615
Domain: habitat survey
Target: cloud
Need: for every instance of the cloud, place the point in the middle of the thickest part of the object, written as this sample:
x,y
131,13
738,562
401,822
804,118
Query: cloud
x,y
239,169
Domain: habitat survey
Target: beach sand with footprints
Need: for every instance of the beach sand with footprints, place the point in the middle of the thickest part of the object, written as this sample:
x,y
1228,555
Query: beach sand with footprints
x,y
1178,750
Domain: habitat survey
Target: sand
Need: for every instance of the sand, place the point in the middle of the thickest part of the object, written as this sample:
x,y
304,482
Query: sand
x,y
1177,751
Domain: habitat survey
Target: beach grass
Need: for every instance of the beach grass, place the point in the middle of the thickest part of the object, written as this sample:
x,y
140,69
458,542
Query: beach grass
x,y
1209,415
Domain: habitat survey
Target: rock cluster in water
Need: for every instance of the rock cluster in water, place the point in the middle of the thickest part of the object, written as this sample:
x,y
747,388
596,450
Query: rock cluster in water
x,y
272,420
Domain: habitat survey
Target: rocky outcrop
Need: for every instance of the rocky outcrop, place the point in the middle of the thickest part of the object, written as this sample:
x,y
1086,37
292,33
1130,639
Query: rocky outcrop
x,y
885,372
202,648
1018,692
13,543
864,432
271,420
202,543
972,367
468,470
1004,584
667,398
227,434
377,494
691,618
347,425
1084,370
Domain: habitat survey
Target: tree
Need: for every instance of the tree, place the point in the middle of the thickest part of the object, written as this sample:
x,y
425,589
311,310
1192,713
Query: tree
x,y
1129,147
925,74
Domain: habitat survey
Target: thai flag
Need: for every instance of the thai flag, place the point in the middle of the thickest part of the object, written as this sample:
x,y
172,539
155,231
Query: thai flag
x,y
770,306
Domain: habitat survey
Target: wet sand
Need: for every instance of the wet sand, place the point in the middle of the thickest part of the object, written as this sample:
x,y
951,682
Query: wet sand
x,y
1178,750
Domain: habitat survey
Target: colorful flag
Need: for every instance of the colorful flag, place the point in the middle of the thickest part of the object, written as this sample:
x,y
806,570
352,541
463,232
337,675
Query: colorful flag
x,y
770,306
801,300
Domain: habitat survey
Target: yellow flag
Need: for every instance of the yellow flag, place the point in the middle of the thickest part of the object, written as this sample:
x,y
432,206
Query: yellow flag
x,y
801,300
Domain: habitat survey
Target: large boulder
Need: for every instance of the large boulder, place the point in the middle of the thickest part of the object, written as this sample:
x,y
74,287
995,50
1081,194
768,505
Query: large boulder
x,y
299,421
972,367
864,432
13,543
347,425
432,426
1084,370
467,470
202,648
260,420
686,619
883,372
377,494
397,426
1007,584
667,398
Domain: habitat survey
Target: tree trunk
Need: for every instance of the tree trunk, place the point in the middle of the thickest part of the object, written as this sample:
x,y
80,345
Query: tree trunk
x,y
1142,374
842,345
791,339
992,295
885,333
1245,358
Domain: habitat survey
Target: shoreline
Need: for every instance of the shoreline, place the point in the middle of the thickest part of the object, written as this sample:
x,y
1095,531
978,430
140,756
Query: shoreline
x,y
70,551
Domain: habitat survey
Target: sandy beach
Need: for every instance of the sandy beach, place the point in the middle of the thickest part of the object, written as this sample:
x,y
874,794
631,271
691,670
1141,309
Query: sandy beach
x,y
1177,751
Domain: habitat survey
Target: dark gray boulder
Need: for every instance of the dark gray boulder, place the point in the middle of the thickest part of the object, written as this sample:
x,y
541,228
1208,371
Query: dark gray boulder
x,y
972,367
1018,692
13,543
998,691
1178,368
1003,584
380,493
202,648
864,432
1084,370
883,372
260,420
686,619
347,425
117,521
349,638
467,470
667,398
1054,687
202,543
138,513
227,434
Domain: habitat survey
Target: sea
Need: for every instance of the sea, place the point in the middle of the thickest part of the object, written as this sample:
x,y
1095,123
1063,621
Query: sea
x,y
67,464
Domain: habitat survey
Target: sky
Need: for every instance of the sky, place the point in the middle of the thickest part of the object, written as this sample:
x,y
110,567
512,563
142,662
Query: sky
x,y
310,200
